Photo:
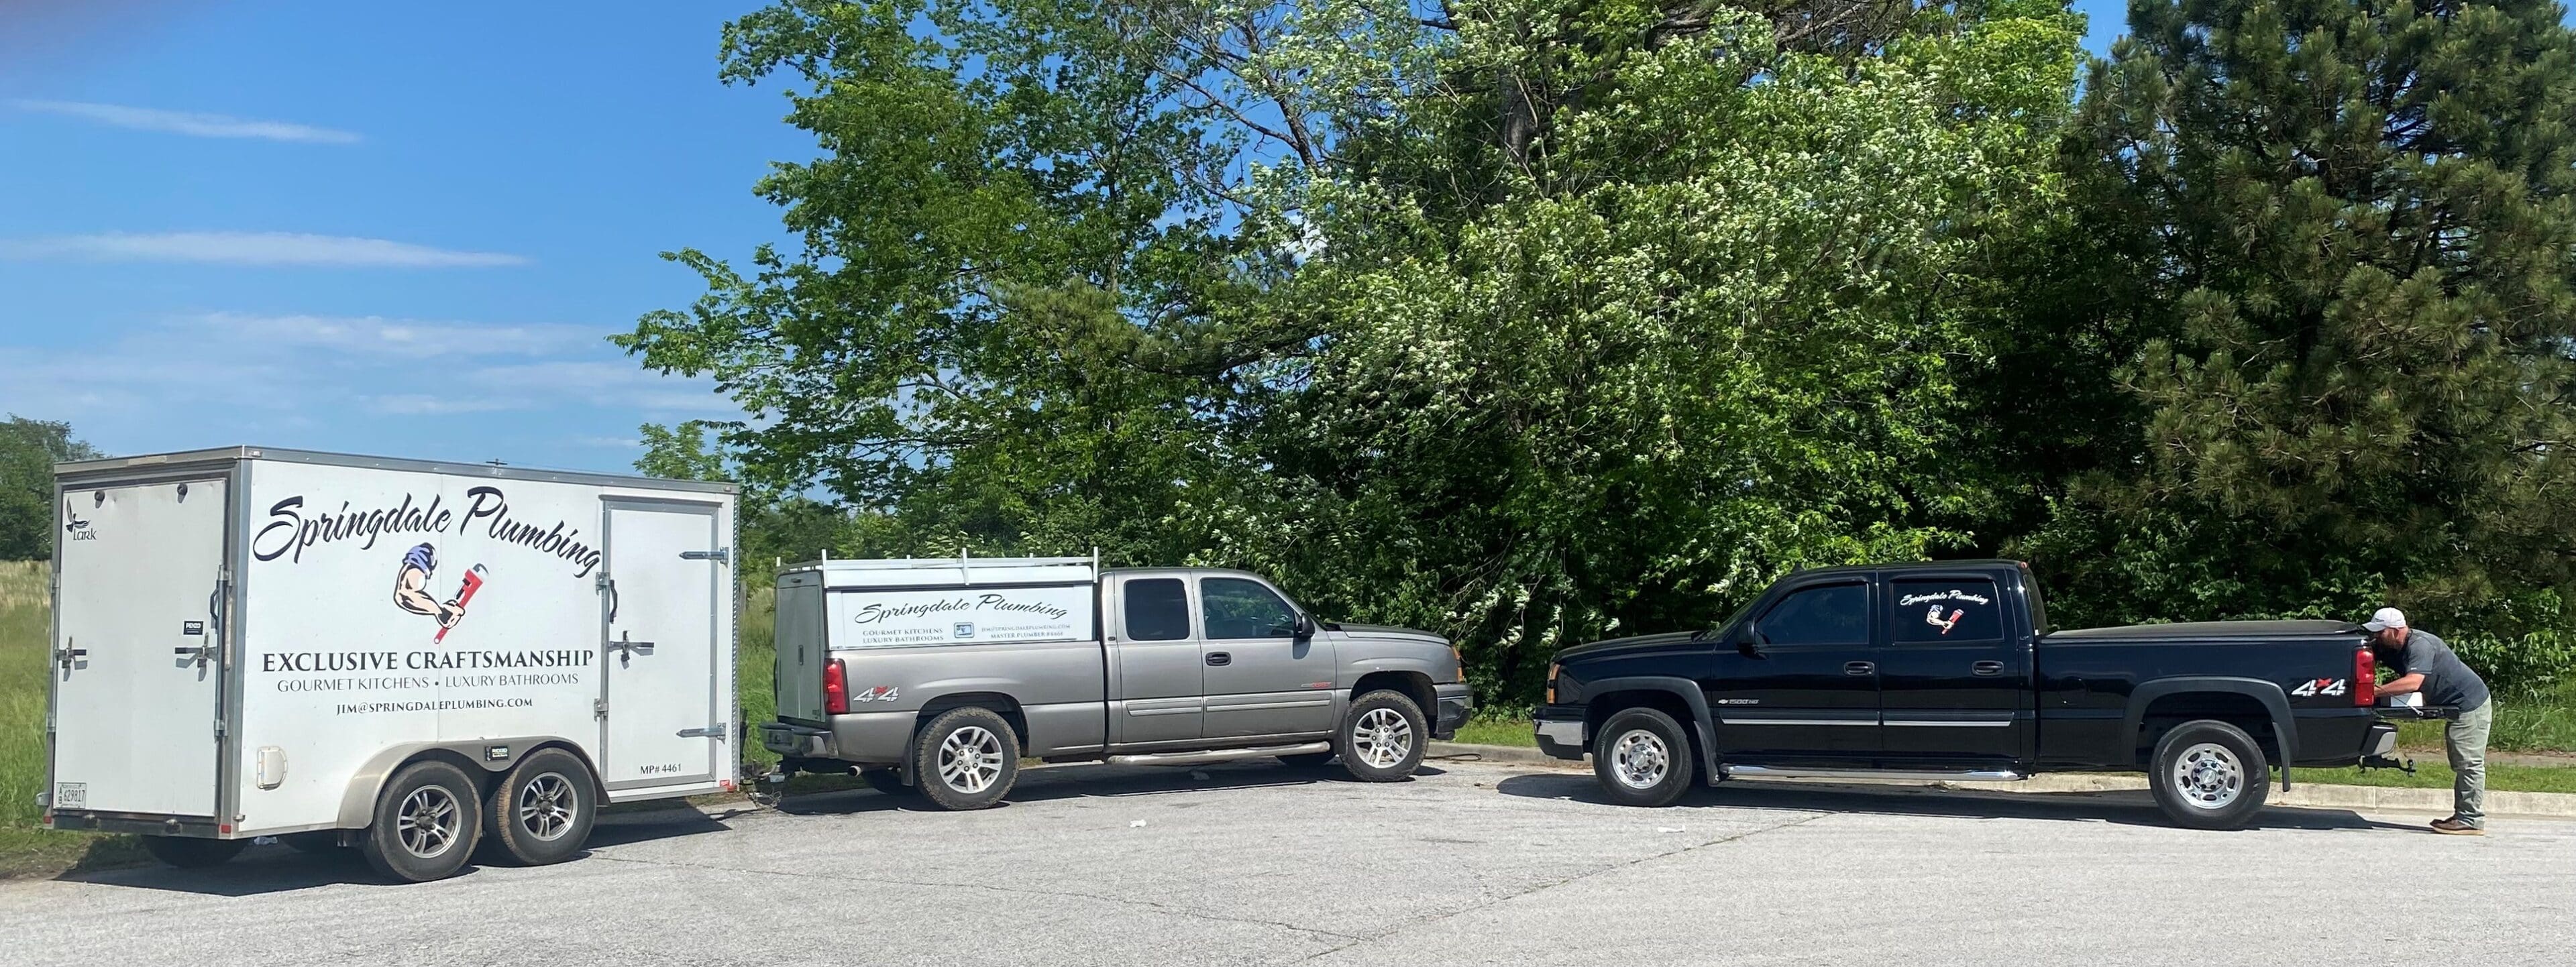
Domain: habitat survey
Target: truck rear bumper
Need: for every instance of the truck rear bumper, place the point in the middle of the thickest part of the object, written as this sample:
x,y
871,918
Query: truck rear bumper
x,y
794,741
1455,701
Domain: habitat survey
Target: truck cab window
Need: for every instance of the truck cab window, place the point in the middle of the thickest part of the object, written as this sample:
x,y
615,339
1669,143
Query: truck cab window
x,y
1835,614
1945,610
1237,608
1158,609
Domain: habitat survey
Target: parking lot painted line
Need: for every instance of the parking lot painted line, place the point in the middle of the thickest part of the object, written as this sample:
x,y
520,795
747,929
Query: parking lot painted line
x,y
1265,864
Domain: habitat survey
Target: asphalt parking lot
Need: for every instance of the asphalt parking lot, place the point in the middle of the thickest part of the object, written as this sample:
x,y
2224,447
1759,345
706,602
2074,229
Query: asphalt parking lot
x,y
1469,864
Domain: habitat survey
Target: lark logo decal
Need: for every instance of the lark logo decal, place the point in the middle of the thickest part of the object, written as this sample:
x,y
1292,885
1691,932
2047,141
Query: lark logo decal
x,y
74,528
2320,686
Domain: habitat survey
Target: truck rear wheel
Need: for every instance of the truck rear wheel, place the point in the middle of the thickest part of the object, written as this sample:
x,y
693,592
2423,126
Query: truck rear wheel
x,y
541,812
1642,758
967,758
426,822
2209,774
188,853
1383,738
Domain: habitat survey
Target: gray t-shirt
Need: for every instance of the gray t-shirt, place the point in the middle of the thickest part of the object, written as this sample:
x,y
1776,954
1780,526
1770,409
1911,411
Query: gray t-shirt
x,y
2446,680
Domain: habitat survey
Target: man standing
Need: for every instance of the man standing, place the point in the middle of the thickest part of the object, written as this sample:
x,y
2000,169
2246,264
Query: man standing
x,y
2424,664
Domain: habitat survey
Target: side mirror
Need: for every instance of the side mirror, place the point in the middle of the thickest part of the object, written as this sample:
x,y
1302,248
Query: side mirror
x,y
1749,641
1305,626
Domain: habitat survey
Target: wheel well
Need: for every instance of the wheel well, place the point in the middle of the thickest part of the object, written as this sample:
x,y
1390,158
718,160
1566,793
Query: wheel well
x,y
2234,708
1603,706
1005,706
1413,685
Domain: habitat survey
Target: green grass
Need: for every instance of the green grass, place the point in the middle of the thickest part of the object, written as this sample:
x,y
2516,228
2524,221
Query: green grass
x,y
1497,730
2434,775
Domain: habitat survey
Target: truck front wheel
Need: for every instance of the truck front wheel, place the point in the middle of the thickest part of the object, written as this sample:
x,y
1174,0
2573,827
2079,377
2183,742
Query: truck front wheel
x,y
1641,758
1383,738
189,853
541,812
2208,774
426,823
967,758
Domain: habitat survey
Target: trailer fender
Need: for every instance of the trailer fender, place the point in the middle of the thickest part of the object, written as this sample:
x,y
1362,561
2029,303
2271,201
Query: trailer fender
x,y
358,802
2285,728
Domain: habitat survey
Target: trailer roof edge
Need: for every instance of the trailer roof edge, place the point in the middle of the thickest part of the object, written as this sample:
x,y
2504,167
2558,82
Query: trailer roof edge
x,y
154,461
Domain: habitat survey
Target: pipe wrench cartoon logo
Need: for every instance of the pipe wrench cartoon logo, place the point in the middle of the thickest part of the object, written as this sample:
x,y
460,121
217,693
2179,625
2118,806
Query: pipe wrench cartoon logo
x,y
1933,618
411,589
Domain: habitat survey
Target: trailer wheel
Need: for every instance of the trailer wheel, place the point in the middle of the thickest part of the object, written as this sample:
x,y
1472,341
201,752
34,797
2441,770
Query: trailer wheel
x,y
188,853
967,758
426,823
1383,738
541,812
2208,774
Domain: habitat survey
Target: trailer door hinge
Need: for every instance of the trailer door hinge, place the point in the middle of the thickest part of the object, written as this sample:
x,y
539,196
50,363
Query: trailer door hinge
x,y
719,554
219,728
599,708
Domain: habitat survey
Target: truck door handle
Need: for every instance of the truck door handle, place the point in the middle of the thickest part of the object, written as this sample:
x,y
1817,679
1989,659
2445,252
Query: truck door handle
x,y
1219,658
1989,667
1859,668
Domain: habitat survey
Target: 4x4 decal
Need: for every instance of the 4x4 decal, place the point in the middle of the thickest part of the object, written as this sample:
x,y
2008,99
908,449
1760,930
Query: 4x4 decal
x,y
2319,686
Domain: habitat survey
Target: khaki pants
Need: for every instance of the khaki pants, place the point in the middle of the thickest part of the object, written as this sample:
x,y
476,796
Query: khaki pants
x,y
2465,739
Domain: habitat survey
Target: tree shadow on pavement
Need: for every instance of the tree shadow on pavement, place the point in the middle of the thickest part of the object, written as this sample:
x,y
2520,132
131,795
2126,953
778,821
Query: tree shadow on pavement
x,y
2127,807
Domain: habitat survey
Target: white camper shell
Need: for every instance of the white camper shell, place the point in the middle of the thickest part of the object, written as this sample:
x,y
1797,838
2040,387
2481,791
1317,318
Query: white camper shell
x,y
403,656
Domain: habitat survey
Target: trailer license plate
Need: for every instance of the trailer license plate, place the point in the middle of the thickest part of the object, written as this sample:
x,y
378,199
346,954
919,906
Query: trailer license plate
x,y
71,795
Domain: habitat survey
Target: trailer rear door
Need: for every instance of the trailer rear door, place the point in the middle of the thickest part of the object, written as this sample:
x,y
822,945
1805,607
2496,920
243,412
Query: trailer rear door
x,y
667,724
138,645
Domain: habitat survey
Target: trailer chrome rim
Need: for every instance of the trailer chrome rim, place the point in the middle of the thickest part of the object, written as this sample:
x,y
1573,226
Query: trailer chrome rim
x,y
971,759
547,806
1383,737
1640,759
429,822
2208,776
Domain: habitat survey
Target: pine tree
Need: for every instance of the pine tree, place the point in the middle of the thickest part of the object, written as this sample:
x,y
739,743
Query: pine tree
x,y
2360,328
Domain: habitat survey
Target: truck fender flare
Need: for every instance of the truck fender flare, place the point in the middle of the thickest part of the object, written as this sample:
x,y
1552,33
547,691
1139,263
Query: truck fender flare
x,y
358,801
1701,722
2285,728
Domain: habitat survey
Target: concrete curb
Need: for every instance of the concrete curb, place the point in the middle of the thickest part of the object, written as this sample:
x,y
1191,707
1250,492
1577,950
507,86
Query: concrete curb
x,y
2548,804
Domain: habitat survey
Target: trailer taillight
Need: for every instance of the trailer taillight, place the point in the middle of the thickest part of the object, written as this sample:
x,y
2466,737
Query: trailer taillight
x,y
836,689
2365,676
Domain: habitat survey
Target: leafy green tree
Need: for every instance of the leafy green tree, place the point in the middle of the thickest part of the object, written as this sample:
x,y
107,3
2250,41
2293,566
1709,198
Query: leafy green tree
x,y
28,451
2351,285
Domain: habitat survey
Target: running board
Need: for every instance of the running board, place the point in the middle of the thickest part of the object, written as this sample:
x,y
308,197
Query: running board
x,y
1218,755
1769,772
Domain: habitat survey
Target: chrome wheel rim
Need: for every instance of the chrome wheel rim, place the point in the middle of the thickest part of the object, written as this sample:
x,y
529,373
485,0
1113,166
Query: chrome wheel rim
x,y
547,806
2208,776
1640,759
970,759
429,822
1382,737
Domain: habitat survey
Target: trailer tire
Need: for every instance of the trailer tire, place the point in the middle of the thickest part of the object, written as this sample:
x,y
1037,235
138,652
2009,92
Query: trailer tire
x,y
967,758
541,812
426,823
189,853
1394,730
2208,774
886,781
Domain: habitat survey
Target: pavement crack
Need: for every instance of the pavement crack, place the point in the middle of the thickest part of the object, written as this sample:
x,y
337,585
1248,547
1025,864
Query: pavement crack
x,y
1553,884
1154,905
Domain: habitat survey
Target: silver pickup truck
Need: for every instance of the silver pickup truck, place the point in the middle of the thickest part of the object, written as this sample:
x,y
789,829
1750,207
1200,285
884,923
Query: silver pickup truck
x,y
937,676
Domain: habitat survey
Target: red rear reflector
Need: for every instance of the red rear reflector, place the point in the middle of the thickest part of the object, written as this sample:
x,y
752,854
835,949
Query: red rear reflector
x,y
836,689
2365,677
225,828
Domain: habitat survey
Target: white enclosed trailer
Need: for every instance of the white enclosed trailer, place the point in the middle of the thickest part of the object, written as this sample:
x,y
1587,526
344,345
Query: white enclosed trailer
x,y
403,656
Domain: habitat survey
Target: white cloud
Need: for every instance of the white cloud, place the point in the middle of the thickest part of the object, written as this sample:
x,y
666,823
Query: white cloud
x,y
251,248
404,338
189,123
424,404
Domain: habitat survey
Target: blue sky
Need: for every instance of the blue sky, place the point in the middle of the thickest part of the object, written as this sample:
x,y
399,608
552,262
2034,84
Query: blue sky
x,y
399,229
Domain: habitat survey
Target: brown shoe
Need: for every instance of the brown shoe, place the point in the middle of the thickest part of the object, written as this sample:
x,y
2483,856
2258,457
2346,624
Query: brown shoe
x,y
2454,827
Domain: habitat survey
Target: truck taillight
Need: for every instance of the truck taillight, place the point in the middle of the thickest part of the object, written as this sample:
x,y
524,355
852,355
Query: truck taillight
x,y
836,688
1551,682
2365,676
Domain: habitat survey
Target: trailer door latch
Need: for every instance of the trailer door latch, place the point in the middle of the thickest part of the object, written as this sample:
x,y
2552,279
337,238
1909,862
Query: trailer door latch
x,y
719,554
716,732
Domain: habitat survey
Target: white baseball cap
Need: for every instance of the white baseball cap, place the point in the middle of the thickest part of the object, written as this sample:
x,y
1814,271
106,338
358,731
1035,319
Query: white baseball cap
x,y
2384,619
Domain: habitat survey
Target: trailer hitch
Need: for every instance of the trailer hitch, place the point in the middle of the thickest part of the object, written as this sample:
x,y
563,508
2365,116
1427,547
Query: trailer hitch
x,y
2406,766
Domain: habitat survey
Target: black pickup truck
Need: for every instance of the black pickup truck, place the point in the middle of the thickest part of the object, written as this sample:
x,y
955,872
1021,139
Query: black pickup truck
x,y
1949,671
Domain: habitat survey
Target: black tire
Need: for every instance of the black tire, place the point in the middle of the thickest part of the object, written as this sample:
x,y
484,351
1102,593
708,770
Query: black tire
x,y
1394,732
188,853
886,781
1307,760
2208,774
1643,758
324,842
977,782
542,811
446,814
